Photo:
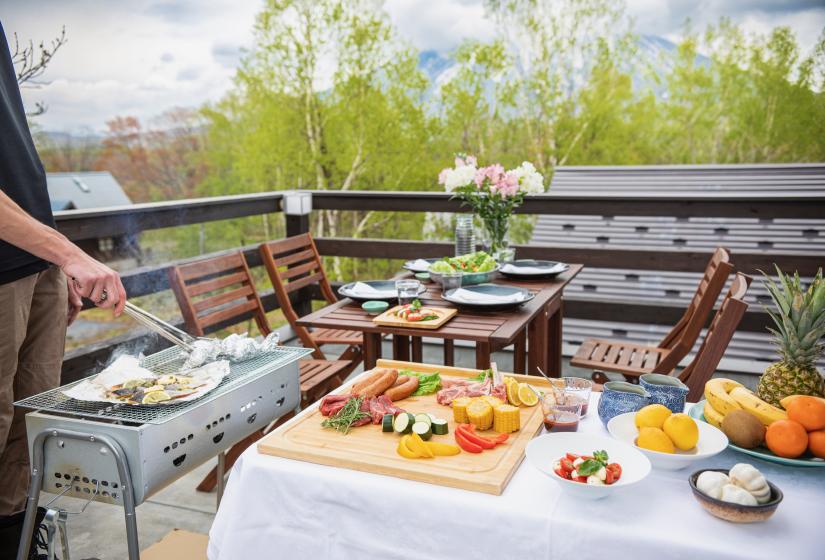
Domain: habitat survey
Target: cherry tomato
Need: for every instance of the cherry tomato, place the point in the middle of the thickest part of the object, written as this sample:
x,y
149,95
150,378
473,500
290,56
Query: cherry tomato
x,y
571,457
561,473
609,479
567,465
581,479
617,470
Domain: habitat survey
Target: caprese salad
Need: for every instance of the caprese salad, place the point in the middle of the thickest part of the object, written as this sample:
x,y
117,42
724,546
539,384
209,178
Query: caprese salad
x,y
588,469
414,312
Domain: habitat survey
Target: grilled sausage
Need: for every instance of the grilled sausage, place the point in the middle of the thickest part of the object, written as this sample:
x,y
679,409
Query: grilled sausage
x,y
359,387
382,384
402,391
401,380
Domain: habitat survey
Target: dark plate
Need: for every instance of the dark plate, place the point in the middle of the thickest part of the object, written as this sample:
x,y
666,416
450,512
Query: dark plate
x,y
409,265
346,290
553,268
492,289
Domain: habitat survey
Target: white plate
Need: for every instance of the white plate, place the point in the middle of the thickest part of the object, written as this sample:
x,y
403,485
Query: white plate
x,y
545,450
711,442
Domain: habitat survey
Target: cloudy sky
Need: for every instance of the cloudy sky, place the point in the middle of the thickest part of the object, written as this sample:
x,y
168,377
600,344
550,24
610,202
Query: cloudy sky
x,y
140,57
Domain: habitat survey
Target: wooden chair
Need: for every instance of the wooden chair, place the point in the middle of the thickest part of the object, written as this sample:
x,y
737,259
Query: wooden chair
x,y
217,292
716,341
292,264
633,360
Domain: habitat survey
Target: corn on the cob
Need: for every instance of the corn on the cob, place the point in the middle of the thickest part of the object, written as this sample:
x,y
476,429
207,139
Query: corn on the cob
x,y
491,400
506,419
460,409
480,413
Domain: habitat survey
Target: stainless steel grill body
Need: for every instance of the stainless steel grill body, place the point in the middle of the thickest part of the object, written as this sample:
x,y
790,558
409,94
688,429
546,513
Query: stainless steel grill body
x,y
161,443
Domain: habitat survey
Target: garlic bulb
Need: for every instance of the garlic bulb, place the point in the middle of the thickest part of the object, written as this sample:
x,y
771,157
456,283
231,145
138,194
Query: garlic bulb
x,y
736,495
748,477
710,483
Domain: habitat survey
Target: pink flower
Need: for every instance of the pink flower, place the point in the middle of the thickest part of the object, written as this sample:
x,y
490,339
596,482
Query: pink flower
x,y
459,162
492,173
471,160
442,177
507,184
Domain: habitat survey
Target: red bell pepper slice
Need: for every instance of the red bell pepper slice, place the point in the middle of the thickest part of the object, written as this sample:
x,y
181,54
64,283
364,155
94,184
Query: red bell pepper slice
x,y
465,444
475,438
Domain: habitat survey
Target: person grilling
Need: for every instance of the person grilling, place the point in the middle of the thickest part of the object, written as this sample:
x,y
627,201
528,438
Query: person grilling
x,y
42,279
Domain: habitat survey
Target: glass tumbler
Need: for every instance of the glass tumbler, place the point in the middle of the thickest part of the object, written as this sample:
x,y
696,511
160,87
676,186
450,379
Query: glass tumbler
x,y
572,390
450,281
407,290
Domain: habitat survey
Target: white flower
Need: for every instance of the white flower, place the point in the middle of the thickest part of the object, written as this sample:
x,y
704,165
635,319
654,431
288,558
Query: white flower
x,y
530,180
458,177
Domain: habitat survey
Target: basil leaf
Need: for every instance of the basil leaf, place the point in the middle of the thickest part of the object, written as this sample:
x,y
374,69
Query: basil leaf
x,y
589,467
601,456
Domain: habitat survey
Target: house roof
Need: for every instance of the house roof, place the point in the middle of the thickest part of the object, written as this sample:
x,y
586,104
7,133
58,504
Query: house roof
x,y
85,190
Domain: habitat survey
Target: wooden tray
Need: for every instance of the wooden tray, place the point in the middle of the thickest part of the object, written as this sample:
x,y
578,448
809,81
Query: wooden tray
x,y
369,449
387,318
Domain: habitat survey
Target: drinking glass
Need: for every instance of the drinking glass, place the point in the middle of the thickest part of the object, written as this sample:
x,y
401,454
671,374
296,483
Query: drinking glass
x,y
570,390
407,290
560,417
450,280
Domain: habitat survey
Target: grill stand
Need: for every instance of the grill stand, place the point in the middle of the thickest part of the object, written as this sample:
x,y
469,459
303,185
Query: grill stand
x,y
108,446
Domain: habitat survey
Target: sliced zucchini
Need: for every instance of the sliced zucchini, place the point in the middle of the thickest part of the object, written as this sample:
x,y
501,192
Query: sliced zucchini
x,y
403,423
432,416
424,418
440,427
423,430
386,423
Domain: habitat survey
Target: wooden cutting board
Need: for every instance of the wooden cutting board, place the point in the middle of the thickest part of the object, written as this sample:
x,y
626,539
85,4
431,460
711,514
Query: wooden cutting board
x,y
369,449
387,318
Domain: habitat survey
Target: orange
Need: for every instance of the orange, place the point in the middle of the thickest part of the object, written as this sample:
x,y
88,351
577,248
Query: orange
x,y
816,443
787,438
808,411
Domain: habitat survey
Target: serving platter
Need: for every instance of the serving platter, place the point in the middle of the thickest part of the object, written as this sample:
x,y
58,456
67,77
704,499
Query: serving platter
x,y
696,412
412,266
368,449
532,269
389,319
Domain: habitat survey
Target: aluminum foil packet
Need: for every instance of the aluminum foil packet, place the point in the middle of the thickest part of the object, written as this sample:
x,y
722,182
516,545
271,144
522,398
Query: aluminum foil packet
x,y
235,348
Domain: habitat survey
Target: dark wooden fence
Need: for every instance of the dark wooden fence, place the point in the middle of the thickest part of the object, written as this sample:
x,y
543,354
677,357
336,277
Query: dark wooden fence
x,y
99,223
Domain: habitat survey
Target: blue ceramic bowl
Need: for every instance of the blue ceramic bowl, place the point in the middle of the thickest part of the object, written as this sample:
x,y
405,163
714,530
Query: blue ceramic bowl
x,y
374,307
619,397
666,390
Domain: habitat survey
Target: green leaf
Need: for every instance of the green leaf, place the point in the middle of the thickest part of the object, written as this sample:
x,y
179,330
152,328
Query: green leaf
x,y
589,467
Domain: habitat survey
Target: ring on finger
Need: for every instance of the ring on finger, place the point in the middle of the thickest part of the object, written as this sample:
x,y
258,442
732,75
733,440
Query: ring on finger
x,y
104,295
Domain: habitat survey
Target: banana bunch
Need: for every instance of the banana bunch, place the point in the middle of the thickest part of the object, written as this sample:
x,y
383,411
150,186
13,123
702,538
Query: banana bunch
x,y
723,396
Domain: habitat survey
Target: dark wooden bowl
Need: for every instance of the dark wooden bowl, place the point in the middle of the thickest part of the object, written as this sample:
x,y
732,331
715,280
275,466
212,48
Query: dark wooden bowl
x,y
735,513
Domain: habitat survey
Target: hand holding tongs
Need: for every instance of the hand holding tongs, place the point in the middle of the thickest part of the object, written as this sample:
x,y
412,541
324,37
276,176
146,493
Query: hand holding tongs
x,y
161,327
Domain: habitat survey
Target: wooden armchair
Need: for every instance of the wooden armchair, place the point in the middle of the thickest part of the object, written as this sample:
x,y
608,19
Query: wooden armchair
x,y
716,341
633,360
292,264
218,292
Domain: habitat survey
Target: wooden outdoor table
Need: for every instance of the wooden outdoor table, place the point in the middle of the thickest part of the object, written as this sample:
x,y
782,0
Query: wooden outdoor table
x,y
538,322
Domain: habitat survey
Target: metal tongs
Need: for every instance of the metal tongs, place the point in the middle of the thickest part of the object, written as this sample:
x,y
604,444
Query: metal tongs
x,y
161,327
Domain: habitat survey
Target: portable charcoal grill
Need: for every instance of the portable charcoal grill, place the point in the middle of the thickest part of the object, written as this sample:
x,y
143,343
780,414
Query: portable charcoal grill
x,y
121,454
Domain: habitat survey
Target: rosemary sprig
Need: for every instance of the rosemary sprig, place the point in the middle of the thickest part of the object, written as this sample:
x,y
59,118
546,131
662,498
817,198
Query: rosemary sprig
x,y
346,417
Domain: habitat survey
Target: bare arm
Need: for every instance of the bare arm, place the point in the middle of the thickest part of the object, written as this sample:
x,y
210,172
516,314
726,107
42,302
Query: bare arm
x,y
89,276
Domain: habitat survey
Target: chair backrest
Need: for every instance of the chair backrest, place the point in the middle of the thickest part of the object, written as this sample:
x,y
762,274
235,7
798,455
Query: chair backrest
x,y
716,341
683,335
217,291
294,263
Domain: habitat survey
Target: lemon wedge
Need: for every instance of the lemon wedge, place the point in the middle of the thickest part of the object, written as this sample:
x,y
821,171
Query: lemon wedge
x,y
512,391
526,395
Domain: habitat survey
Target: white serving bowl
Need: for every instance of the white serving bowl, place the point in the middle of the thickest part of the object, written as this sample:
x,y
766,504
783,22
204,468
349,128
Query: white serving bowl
x,y
711,442
545,450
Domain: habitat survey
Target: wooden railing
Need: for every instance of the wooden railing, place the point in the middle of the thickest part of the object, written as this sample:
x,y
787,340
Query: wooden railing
x,y
92,224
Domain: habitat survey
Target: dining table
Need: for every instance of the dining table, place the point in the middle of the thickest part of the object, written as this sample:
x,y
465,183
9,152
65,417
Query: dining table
x,y
275,507
533,328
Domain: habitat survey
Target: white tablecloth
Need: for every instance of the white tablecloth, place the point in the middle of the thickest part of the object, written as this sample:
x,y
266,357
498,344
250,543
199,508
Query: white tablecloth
x,y
280,508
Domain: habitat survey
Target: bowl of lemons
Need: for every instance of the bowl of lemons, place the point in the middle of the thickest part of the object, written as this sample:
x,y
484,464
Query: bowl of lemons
x,y
671,441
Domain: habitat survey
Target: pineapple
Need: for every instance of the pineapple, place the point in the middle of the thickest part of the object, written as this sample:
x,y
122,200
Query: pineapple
x,y
800,324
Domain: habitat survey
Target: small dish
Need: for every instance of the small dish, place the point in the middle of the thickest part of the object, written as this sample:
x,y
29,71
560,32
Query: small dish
x,y
422,276
543,451
735,513
711,442
375,307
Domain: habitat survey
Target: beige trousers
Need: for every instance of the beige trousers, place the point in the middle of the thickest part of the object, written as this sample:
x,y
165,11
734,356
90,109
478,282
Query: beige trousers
x,y
33,312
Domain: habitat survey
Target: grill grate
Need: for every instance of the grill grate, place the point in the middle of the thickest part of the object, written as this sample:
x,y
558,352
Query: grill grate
x,y
163,362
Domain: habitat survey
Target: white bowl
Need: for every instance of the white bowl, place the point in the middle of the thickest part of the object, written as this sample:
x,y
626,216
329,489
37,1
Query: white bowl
x,y
543,451
711,442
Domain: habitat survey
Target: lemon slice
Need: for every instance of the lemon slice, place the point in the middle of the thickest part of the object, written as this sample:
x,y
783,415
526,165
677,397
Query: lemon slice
x,y
155,397
526,395
513,392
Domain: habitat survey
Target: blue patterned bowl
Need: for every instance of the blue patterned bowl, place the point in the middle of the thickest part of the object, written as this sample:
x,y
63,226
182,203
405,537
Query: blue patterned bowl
x,y
666,390
619,397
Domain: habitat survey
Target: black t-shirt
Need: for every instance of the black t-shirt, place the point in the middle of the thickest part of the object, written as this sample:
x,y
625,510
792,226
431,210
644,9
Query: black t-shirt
x,y
22,177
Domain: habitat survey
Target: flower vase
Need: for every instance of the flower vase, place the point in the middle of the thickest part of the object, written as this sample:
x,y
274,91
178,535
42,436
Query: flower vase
x,y
496,240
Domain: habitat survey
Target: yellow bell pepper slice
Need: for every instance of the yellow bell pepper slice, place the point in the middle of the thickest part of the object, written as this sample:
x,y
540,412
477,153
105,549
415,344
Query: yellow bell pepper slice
x,y
442,449
417,444
405,451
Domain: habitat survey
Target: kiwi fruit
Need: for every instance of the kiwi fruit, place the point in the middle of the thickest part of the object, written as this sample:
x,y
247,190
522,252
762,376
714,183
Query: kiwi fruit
x,y
743,429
